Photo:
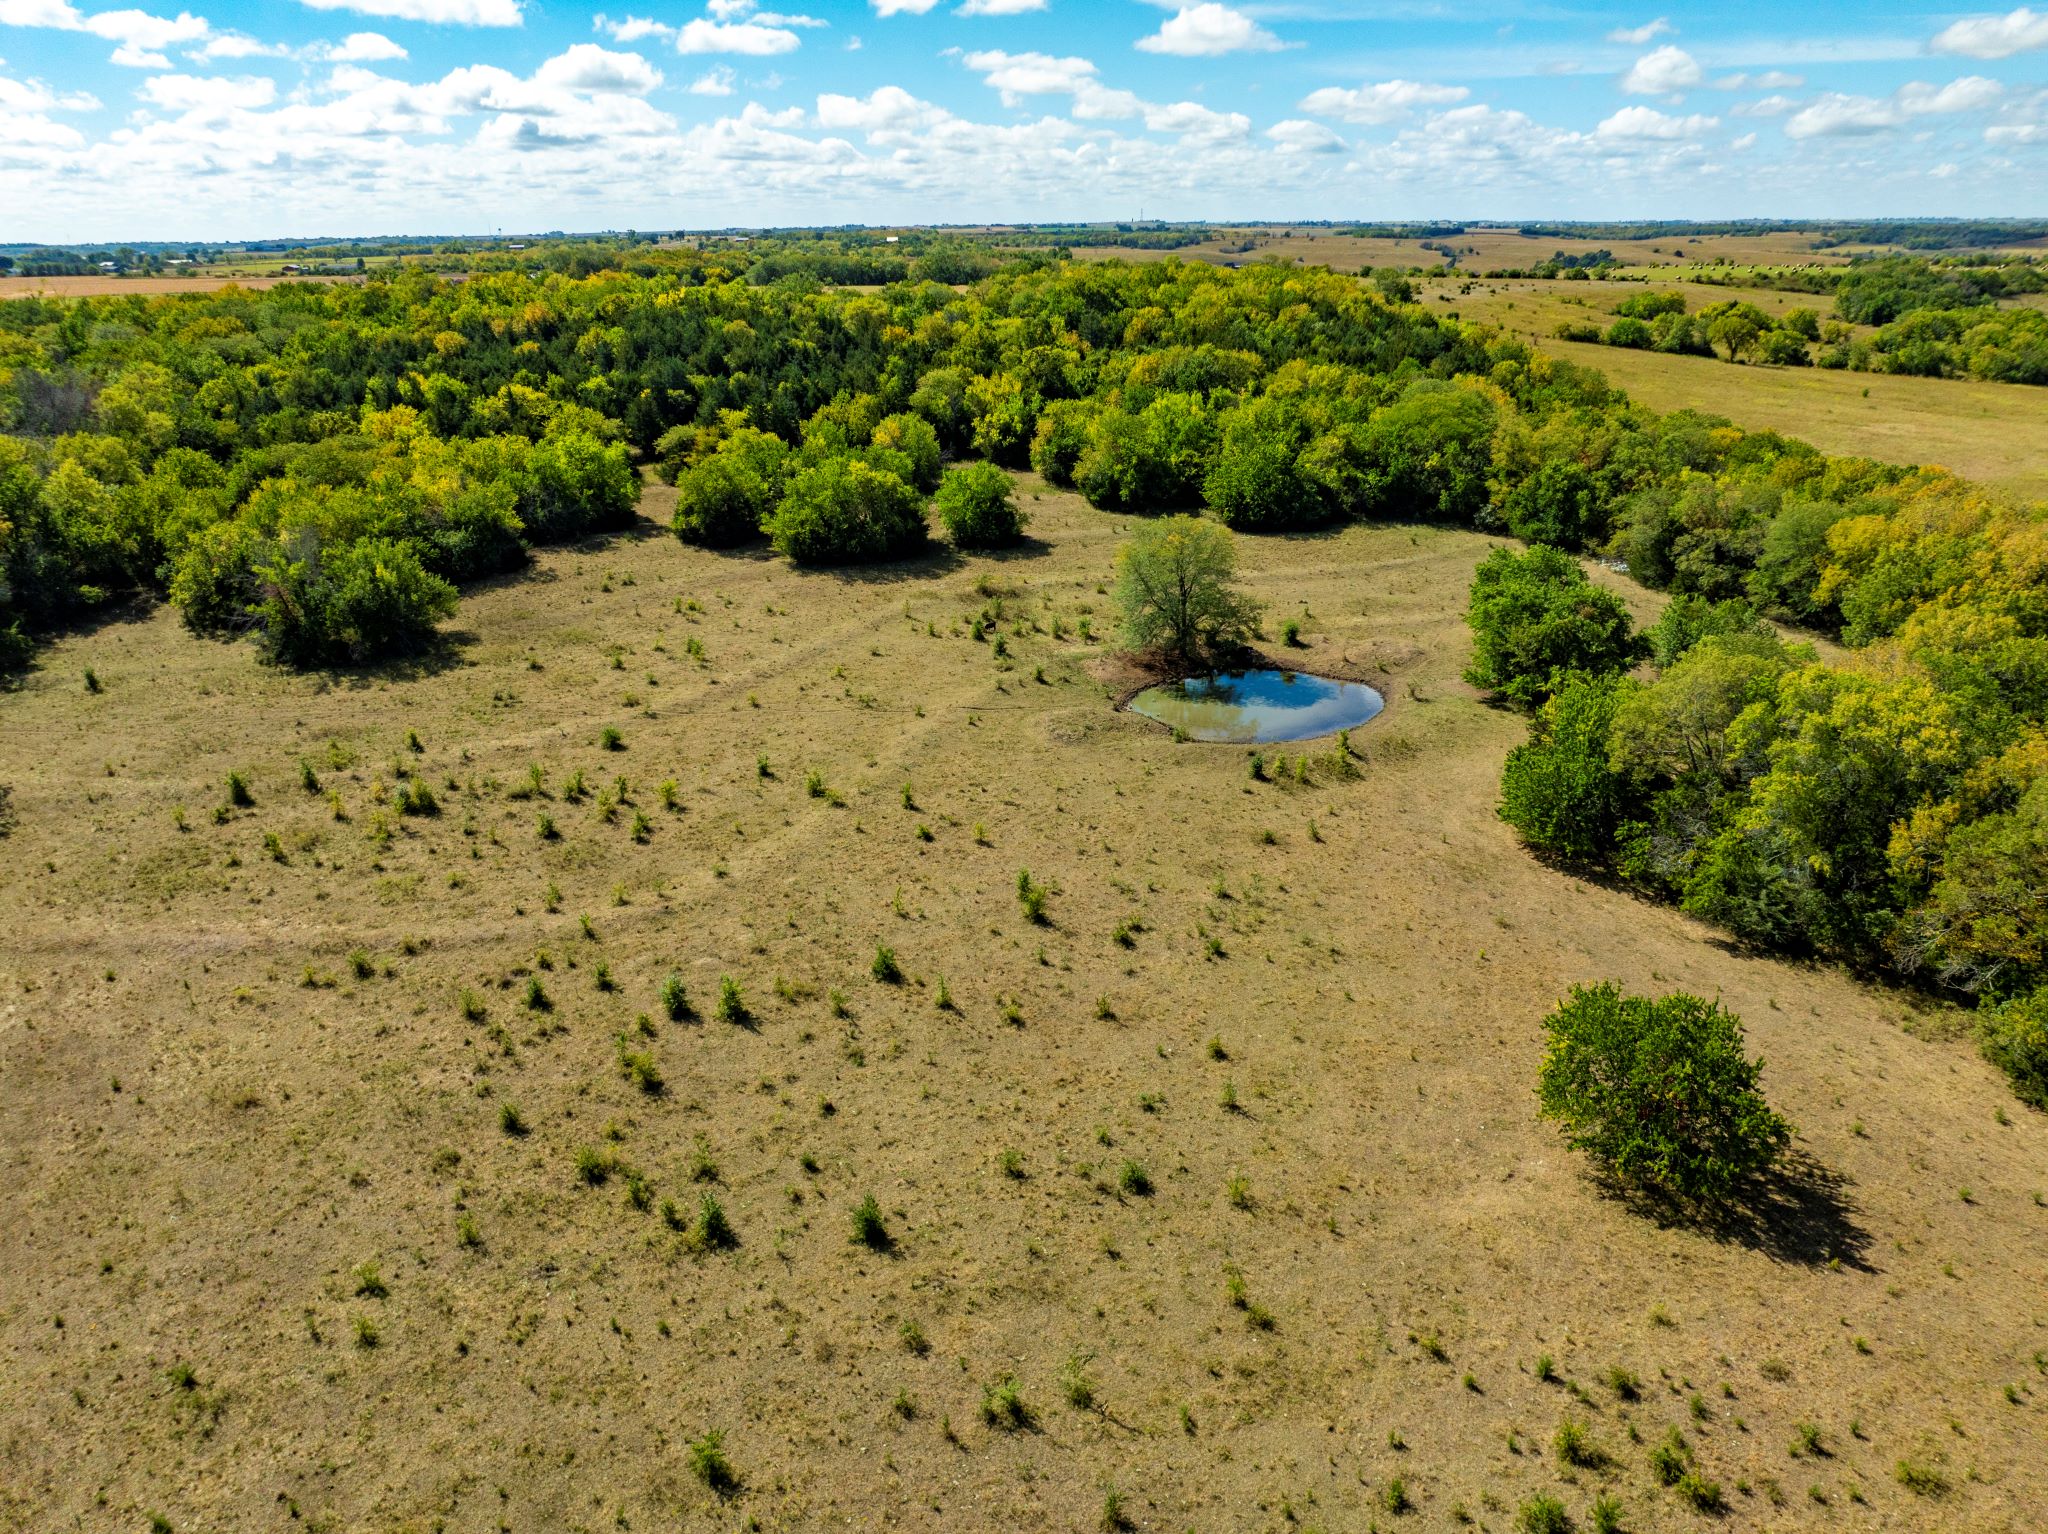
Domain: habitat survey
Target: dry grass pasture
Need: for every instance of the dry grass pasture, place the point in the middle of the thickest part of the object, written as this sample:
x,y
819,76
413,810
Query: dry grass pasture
x,y
1231,1166
100,286
1986,431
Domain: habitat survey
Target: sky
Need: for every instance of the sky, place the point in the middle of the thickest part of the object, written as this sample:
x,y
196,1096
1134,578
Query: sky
x,y
240,119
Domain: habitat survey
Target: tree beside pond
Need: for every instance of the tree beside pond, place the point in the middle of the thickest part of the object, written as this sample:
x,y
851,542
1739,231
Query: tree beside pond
x,y
1176,591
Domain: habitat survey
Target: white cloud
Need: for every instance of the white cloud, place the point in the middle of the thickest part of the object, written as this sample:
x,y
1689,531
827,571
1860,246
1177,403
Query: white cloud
x,y
1766,106
1834,115
208,95
1994,37
1204,31
1635,123
140,37
1018,75
1189,120
366,48
748,37
1649,32
889,108
1769,80
717,81
999,7
464,13
1662,72
902,7
234,45
1381,103
587,67
1296,136
634,28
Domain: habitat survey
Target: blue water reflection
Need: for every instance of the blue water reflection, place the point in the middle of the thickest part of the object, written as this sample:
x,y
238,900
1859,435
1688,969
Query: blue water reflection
x,y
1248,707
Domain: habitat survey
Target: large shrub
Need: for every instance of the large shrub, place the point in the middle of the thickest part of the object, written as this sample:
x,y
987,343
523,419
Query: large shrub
x,y
723,498
348,602
844,511
978,504
1176,592
1535,617
1557,788
1259,482
2015,1039
913,437
1660,1091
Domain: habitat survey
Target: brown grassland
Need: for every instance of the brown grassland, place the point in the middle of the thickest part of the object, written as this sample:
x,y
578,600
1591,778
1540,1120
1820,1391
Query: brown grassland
x,y
1231,1166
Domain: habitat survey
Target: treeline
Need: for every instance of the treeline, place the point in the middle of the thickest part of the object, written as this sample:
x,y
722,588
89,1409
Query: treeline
x,y
1889,809
1931,321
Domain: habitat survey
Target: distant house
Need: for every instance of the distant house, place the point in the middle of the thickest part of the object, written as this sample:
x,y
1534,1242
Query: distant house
x,y
110,266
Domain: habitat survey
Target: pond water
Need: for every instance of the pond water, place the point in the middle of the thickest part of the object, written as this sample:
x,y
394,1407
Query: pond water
x,y
1248,707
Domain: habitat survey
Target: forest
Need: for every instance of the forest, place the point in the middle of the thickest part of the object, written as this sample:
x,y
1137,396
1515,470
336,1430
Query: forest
x,y
325,467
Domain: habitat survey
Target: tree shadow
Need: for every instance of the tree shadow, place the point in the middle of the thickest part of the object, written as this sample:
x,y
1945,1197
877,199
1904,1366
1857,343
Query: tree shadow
x,y
1802,1213
444,652
1026,547
934,559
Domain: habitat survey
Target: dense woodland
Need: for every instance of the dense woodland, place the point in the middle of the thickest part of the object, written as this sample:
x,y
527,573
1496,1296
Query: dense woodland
x,y
324,466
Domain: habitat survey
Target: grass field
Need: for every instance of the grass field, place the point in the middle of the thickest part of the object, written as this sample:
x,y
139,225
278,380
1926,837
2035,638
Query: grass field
x,y
1987,431
89,287
1221,1190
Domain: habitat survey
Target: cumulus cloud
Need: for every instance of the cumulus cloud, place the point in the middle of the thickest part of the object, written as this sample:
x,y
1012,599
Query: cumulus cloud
x,y
1647,123
587,67
1000,7
716,81
1018,75
902,7
1662,71
1381,103
1193,121
461,13
1994,37
754,38
208,95
1648,32
887,109
365,48
1204,31
1834,115
1294,135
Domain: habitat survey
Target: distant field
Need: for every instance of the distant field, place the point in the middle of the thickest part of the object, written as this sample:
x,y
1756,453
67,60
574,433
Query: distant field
x,y
1986,431
89,287
1489,249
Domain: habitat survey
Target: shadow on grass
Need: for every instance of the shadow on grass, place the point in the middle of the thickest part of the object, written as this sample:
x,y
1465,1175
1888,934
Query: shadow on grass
x,y
1801,1213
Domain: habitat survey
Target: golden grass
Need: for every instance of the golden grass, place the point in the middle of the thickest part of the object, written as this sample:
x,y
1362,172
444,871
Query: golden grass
x,y
204,1148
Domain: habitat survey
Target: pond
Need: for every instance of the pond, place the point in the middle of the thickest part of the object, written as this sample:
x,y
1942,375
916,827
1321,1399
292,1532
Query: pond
x,y
1249,707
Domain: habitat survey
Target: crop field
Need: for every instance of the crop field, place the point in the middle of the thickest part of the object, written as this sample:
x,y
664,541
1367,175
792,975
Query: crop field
x,y
495,1165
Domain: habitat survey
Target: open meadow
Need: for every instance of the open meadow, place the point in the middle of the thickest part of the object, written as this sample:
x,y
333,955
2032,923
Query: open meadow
x,y
358,1161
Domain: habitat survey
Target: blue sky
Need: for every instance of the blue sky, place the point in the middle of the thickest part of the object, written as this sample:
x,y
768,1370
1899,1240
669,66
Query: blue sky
x,y
242,118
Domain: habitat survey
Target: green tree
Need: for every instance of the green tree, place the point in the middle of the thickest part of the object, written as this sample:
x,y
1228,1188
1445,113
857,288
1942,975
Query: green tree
x,y
844,511
1535,617
1660,1092
978,504
1175,591
1558,788
2015,1039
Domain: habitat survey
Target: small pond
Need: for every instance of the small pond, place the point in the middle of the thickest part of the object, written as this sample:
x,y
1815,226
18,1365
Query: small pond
x,y
1248,707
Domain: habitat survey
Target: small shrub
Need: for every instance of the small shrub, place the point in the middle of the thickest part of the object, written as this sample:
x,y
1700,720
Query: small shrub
x,y
511,1121
1543,1514
709,1464
537,998
1573,1446
593,1166
1133,1179
1395,1496
1606,1515
732,1006
610,739
1922,1480
1075,1384
713,1231
868,1228
238,792
1002,1405
1671,1459
1031,896
674,1000
884,968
